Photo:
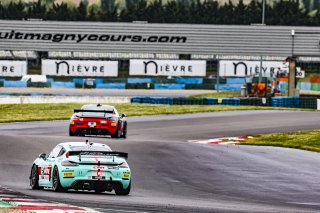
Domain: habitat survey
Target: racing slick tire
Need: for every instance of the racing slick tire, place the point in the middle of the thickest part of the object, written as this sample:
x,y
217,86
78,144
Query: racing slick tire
x,y
34,178
119,190
118,133
124,133
56,185
71,134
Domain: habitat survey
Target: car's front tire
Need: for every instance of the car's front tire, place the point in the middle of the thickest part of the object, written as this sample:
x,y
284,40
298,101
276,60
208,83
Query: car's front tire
x,y
119,190
34,177
56,185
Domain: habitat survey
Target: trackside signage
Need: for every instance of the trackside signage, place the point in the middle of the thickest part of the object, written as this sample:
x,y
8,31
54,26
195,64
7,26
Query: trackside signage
x,y
249,68
168,67
13,68
79,68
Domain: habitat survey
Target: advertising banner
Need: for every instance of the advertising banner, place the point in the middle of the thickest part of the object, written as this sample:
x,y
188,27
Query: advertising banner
x,y
168,67
251,68
80,68
13,68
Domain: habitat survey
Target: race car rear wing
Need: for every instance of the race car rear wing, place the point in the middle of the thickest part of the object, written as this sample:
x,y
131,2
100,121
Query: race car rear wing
x,y
98,153
98,111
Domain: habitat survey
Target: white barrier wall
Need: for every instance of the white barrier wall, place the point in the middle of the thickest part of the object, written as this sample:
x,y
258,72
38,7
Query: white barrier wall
x,y
62,99
80,68
13,68
168,67
318,104
248,68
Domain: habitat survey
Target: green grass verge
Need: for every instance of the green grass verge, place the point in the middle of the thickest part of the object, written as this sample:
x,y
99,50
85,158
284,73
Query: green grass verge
x,y
222,94
306,140
44,112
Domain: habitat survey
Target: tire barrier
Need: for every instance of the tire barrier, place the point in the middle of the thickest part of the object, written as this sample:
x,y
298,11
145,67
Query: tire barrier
x,y
170,86
18,84
111,86
286,102
225,84
189,80
56,84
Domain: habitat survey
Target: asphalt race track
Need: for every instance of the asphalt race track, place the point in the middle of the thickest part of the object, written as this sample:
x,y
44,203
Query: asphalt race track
x,y
173,175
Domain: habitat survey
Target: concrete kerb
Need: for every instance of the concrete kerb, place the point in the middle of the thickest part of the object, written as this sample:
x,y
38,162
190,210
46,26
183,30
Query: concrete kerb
x,y
63,99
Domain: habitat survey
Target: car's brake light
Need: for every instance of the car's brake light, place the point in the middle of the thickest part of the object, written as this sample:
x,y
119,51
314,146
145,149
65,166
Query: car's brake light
x,y
123,165
67,155
69,163
99,173
72,122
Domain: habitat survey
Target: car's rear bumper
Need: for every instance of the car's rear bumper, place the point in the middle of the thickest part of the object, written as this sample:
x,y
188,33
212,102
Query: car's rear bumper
x,y
84,177
100,185
91,131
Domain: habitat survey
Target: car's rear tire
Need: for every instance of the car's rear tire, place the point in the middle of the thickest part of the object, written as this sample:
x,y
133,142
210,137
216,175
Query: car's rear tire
x,y
34,178
119,190
124,132
118,133
71,133
56,185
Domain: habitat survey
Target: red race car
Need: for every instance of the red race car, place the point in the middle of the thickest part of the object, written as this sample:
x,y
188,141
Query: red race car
x,y
97,119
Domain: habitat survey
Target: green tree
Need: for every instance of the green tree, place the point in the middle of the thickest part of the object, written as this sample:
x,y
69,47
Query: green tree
x,y
61,12
81,12
240,12
37,10
155,12
15,11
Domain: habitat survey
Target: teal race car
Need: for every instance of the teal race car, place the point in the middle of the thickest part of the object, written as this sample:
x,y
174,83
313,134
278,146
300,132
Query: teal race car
x,y
82,166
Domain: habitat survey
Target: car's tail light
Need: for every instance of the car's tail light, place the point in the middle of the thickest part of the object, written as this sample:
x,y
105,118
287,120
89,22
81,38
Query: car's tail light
x,y
72,122
99,173
67,155
123,165
69,163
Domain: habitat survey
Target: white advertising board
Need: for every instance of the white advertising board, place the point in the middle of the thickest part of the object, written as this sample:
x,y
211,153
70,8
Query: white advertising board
x,y
13,68
168,67
79,68
249,68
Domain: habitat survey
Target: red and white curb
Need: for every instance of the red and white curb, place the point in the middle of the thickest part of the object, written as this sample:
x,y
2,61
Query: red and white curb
x,y
222,141
14,200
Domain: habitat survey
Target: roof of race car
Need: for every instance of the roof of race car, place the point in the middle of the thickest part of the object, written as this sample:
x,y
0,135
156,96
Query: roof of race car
x,y
77,146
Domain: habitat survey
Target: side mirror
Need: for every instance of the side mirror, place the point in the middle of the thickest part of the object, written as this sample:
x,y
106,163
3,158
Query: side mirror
x,y
43,156
123,115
